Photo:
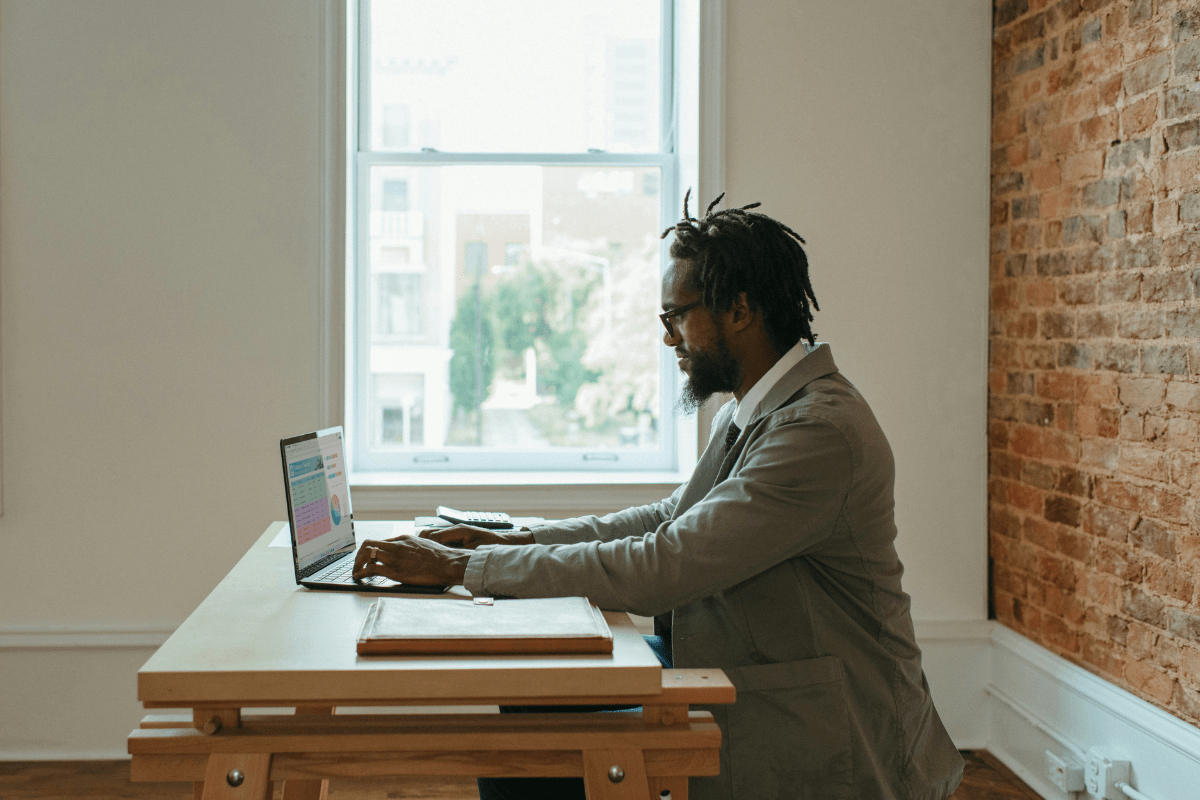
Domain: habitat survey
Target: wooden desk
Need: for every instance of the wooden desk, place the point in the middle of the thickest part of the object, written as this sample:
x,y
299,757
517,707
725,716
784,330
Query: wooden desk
x,y
258,640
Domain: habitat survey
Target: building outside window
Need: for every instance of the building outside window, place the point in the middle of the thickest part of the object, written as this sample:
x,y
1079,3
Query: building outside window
x,y
395,126
395,196
513,174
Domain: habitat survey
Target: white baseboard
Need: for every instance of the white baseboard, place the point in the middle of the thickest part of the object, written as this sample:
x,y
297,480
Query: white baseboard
x,y
955,656
64,755
81,637
1034,780
1038,689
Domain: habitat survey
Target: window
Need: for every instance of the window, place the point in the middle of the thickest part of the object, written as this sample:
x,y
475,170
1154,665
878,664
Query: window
x,y
512,173
401,400
513,253
395,126
475,260
395,196
398,308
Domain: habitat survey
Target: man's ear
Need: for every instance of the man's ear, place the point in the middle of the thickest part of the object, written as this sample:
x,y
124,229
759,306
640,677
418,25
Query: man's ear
x,y
741,313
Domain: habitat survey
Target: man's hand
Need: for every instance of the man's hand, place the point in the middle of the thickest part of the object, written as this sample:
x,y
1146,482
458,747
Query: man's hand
x,y
469,537
410,559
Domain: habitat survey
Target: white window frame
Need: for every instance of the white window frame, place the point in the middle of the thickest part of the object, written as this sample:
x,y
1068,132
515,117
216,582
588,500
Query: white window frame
x,y
696,97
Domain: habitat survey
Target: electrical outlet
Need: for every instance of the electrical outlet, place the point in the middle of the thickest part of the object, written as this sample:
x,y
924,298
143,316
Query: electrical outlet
x,y
1102,773
1063,773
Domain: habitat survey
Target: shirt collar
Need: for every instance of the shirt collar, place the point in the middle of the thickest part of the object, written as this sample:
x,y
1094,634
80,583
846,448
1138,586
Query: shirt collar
x,y
745,409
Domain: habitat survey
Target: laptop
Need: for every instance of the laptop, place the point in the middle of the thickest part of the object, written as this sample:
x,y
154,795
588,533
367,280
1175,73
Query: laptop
x,y
318,501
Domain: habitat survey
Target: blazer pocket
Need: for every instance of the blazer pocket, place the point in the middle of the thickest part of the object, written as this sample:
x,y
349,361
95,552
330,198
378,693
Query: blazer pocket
x,y
789,731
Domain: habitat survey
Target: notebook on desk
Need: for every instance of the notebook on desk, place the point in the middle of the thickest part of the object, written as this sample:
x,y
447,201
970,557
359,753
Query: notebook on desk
x,y
558,625
322,521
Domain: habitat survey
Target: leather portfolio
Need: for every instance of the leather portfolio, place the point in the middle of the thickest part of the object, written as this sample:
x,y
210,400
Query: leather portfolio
x,y
445,625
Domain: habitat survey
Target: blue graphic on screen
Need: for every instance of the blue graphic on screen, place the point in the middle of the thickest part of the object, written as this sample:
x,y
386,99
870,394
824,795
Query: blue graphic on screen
x,y
305,466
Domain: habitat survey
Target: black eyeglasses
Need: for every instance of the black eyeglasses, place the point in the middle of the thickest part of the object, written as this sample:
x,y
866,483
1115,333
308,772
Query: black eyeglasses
x,y
675,312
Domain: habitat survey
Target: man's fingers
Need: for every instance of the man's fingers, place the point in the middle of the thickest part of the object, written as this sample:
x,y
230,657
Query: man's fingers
x,y
455,536
448,541
439,534
360,558
366,557
409,560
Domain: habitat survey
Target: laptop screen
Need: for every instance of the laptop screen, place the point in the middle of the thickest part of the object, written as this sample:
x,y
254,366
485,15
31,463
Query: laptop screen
x,y
318,496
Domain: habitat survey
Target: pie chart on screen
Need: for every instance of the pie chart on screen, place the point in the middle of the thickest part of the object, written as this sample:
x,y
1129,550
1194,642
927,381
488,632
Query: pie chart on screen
x,y
335,509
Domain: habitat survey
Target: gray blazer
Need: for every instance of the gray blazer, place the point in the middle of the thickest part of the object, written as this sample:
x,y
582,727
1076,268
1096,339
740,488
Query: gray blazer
x,y
775,563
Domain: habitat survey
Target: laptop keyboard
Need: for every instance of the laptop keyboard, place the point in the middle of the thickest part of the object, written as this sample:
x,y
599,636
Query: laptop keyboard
x,y
343,572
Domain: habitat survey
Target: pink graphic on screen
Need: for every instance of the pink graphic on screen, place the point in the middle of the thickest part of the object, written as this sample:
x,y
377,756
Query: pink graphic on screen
x,y
310,499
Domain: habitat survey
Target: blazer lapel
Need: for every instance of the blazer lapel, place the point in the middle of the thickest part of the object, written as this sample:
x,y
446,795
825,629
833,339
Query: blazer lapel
x,y
715,463
816,364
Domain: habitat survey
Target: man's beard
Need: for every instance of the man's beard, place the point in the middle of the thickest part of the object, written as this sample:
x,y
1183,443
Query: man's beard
x,y
712,372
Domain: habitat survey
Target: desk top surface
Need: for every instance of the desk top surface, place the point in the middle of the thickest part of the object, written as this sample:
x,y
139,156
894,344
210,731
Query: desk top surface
x,y
260,640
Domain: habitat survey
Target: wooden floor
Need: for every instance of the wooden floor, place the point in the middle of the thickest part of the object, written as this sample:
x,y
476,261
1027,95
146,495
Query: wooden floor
x,y
985,778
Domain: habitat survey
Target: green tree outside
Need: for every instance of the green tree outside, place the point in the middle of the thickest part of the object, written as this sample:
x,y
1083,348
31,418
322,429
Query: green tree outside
x,y
466,345
544,307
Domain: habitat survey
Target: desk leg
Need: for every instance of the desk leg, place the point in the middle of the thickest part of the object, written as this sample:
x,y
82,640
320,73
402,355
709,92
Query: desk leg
x,y
211,720
315,789
667,714
598,785
256,776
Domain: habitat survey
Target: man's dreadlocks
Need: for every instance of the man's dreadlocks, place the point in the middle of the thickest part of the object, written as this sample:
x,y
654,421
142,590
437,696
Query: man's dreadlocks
x,y
739,250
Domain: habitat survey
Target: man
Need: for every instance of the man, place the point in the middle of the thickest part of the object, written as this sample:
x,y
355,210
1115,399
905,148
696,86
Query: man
x,y
774,562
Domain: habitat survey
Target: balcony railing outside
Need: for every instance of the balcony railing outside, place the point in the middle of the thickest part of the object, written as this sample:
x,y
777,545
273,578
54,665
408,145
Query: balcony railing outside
x,y
397,224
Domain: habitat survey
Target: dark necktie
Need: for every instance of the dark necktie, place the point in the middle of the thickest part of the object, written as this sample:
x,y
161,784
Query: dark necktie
x,y
731,435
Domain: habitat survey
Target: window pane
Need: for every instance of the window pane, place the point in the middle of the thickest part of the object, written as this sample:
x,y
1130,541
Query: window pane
x,y
395,195
397,304
515,307
400,411
536,76
395,126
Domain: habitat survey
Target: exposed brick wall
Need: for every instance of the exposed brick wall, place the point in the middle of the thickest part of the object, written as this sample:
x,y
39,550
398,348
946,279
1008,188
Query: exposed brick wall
x,y
1094,381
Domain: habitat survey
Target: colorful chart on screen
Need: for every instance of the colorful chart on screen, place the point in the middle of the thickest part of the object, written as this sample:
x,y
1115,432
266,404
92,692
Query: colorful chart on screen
x,y
320,497
310,501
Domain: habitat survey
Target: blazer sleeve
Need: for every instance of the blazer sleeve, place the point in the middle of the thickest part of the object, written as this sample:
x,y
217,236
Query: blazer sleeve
x,y
619,525
783,499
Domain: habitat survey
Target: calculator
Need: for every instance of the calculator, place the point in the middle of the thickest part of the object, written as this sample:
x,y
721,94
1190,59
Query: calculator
x,y
480,519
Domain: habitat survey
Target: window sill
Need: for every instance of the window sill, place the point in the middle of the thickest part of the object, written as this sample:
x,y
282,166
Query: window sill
x,y
555,495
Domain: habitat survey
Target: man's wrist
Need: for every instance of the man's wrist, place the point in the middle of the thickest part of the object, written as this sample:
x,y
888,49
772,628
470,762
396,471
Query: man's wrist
x,y
457,567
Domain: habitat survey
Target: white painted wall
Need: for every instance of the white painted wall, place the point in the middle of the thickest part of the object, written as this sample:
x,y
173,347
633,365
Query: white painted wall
x,y
159,268
865,126
159,209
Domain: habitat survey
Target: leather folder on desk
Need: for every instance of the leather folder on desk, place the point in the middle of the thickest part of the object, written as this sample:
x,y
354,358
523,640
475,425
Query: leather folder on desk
x,y
400,626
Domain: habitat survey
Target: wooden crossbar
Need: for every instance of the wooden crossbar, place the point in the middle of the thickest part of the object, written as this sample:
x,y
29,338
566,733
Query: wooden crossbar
x,y
688,686
425,732
479,764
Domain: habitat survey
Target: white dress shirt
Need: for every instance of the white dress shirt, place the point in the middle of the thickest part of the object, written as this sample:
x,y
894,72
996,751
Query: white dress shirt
x,y
745,409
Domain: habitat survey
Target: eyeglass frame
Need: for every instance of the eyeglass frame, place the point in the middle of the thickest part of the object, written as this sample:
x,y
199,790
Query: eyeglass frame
x,y
675,312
